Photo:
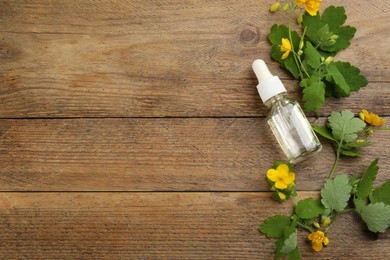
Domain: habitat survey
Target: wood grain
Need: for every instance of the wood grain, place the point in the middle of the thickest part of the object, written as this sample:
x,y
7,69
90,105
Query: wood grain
x,y
129,58
161,226
201,154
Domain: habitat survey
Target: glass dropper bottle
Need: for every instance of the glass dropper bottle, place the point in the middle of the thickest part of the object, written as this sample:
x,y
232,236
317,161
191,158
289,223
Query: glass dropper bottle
x,y
286,118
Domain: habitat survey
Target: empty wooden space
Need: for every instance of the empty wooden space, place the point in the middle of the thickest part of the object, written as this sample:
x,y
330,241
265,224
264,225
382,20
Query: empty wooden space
x,y
133,129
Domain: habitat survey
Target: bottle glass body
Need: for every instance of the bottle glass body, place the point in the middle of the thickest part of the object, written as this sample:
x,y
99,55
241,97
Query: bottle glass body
x,y
291,128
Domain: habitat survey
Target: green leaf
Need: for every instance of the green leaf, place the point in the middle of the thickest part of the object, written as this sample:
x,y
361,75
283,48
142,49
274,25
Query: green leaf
x,y
309,208
327,32
312,56
323,131
356,144
351,153
376,215
336,193
381,194
345,126
314,96
365,184
345,77
274,226
292,66
295,254
335,17
275,37
290,243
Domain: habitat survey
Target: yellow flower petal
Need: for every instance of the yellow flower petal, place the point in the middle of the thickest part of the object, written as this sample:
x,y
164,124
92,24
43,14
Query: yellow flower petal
x,y
311,236
283,169
312,6
280,185
316,246
365,112
371,118
272,175
326,241
286,45
285,55
318,239
290,178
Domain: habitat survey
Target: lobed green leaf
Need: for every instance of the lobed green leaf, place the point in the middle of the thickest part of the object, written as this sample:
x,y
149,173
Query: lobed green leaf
x,y
309,208
274,226
376,215
365,184
336,193
381,194
345,126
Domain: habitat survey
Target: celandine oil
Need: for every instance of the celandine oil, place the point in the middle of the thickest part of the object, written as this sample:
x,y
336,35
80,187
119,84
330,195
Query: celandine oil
x,y
286,118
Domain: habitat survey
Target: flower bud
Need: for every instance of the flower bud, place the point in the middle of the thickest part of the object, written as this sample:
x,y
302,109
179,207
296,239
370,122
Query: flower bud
x,y
300,18
301,44
334,37
299,52
331,42
328,60
274,7
316,225
369,131
325,221
322,59
360,141
282,196
285,7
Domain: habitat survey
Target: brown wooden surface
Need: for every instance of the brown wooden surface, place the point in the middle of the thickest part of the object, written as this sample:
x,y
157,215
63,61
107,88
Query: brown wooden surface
x,y
133,129
220,154
159,225
156,58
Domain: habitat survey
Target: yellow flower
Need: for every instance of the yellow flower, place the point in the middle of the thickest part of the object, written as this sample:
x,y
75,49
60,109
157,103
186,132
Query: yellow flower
x,y
281,176
371,118
317,239
285,47
312,6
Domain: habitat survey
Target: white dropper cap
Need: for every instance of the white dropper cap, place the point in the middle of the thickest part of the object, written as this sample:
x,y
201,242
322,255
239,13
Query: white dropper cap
x,y
269,85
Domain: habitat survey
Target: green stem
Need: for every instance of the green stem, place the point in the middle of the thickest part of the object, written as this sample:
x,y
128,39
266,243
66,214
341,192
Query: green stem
x,y
294,200
291,41
303,67
336,162
305,227
335,216
383,128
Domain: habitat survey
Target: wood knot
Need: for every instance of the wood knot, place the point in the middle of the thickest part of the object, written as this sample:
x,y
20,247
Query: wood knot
x,y
250,34
7,52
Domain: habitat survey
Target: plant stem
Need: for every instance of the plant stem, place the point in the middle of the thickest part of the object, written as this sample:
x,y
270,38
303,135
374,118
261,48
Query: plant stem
x,y
336,215
336,162
305,227
383,128
291,41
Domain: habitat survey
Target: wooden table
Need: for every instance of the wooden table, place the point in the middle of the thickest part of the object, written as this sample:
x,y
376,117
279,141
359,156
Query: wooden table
x,y
133,129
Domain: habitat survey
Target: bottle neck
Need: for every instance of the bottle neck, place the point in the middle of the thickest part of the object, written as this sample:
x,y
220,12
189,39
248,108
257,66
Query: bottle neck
x,y
273,100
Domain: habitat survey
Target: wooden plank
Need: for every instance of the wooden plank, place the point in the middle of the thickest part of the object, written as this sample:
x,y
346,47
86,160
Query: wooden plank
x,y
159,58
225,154
161,225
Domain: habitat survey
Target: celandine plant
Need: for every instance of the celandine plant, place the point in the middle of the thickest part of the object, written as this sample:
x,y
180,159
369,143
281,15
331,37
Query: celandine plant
x,y
309,58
